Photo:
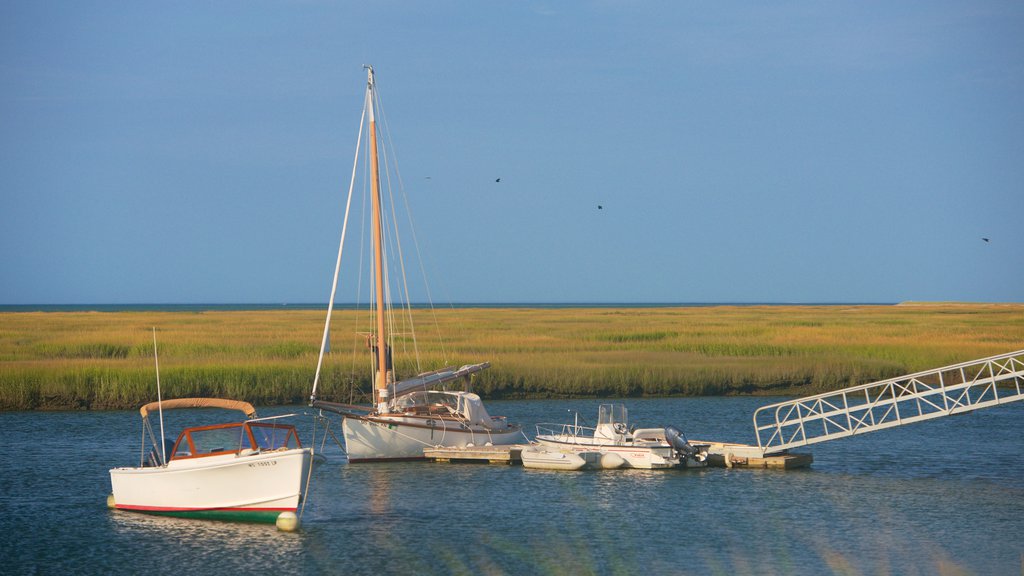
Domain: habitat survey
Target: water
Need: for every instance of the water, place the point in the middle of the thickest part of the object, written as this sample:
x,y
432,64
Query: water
x,y
940,496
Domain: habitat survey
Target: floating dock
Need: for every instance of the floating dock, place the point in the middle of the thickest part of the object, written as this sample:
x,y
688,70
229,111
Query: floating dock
x,y
731,455
506,454
720,455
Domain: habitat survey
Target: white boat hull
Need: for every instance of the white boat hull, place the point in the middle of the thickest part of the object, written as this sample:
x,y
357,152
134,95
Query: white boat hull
x,y
646,457
541,458
400,437
255,487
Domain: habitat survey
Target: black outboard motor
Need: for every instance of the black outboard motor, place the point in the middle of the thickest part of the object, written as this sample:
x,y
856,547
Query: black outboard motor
x,y
675,437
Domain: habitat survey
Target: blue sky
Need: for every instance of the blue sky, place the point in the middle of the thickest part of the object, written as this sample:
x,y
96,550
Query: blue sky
x,y
184,152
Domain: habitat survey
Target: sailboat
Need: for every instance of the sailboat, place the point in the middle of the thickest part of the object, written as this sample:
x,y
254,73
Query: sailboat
x,y
418,412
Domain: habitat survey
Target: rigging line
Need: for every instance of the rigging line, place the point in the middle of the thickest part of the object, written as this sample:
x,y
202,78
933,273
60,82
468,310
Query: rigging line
x,y
392,246
363,223
142,449
152,437
159,401
309,472
386,248
337,265
416,245
360,314
423,271
396,239
391,161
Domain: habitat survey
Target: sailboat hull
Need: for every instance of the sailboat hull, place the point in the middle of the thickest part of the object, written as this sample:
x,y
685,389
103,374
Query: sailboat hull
x,y
400,437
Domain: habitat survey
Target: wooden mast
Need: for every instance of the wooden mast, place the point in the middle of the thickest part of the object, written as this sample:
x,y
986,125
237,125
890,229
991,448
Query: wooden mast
x,y
381,376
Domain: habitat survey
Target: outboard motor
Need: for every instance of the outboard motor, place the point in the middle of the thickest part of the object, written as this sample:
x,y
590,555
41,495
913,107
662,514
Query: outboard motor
x,y
675,437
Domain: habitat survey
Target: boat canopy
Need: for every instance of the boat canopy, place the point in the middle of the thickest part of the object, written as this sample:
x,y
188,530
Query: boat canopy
x,y
466,404
199,403
472,407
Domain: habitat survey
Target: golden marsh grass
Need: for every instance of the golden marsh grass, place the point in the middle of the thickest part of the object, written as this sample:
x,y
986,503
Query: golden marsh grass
x,y
105,360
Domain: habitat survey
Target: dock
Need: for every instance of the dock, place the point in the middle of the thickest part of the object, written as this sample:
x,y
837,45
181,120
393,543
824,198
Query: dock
x,y
732,455
509,454
720,455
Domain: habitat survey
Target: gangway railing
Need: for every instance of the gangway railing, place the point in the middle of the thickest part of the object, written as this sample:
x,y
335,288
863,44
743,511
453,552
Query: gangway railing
x,y
888,403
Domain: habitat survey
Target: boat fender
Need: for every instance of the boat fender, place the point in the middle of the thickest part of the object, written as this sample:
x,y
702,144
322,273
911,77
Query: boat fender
x,y
611,461
287,522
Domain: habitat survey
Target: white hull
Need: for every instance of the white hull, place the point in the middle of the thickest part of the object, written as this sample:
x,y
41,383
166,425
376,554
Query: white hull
x,y
258,483
404,437
541,458
647,457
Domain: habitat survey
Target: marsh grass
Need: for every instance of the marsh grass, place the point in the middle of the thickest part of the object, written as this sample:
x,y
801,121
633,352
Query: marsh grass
x,y
105,360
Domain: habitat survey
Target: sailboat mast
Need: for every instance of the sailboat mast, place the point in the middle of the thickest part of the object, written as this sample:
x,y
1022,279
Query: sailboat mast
x,y
378,250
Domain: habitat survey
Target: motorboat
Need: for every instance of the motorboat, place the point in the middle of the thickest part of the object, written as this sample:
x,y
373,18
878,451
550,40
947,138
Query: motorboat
x,y
254,469
650,448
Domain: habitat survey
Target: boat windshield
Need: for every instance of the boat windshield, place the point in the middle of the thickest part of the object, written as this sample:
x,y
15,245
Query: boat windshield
x,y
269,436
432,398
207,440
612,414
230,438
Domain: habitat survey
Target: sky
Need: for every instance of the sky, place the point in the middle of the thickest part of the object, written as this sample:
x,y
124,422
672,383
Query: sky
x,y
200,152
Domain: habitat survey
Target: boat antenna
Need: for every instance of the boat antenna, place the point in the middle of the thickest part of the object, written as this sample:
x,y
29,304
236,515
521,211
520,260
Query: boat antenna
x,y
159,401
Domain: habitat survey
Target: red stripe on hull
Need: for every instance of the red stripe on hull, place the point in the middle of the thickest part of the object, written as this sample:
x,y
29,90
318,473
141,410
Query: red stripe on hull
x,y
173,509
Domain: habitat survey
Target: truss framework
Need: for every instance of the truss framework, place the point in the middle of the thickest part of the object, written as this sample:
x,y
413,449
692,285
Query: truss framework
x,y
888,403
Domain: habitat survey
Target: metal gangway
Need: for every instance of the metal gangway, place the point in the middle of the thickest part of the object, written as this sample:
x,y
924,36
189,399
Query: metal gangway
x,y
887,403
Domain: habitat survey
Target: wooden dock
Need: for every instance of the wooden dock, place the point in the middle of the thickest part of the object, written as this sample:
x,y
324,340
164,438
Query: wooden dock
x,y
508,454
720,455
731,455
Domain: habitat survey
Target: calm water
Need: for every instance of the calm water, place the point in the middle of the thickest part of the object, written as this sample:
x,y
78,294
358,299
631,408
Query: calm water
x,y
945,495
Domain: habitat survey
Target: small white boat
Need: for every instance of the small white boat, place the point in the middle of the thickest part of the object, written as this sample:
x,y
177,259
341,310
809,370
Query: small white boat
x,y
543,458
252,470
637,447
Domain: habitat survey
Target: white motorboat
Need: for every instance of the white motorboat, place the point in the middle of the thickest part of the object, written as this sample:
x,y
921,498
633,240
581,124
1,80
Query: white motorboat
x,y
251,470
418,412
638,447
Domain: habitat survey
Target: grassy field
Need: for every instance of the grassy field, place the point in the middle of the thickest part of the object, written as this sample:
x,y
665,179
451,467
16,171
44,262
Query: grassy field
x,y
98,360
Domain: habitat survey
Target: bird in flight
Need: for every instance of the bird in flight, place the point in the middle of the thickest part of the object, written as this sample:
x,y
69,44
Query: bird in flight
x,y
599,207
985,239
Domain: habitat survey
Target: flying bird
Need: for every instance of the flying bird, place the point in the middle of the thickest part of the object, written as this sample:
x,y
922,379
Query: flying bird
x,y
497,180
599,207
985,239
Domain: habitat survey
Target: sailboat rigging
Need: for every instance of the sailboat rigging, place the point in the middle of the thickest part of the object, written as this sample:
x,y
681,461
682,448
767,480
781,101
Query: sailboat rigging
x,y
407,415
